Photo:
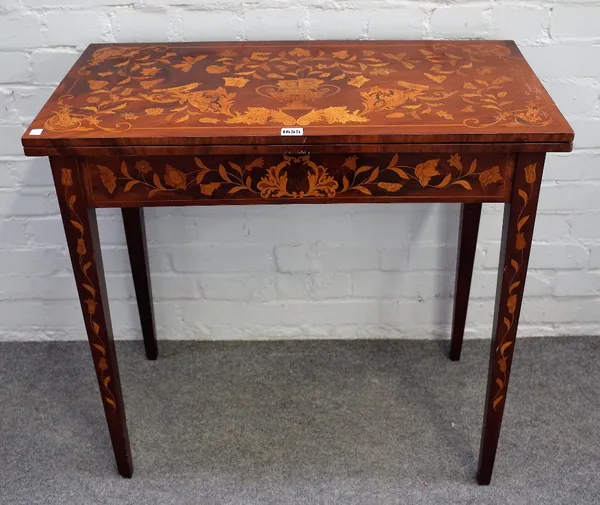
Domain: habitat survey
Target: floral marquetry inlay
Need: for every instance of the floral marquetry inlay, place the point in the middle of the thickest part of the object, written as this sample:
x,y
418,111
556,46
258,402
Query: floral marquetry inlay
x,y
518,269
475,85
88,285
296,176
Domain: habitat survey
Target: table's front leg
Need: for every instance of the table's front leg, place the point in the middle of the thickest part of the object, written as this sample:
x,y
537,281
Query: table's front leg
x,y
81,230
517,234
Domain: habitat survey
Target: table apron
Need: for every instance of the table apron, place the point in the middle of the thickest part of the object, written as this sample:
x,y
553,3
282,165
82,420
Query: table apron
x,y
131,181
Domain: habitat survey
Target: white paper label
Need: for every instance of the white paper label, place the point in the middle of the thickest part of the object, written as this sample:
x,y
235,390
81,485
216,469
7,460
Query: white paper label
x,y
36,131
292,131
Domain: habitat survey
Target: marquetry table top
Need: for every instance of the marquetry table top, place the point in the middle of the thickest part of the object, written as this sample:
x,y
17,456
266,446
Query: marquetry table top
x,y
341,92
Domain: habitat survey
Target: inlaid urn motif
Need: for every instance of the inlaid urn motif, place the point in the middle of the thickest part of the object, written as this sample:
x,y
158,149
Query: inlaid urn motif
x,y
296,92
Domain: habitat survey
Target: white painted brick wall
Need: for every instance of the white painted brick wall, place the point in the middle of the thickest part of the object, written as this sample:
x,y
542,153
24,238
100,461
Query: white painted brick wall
x,y
343,271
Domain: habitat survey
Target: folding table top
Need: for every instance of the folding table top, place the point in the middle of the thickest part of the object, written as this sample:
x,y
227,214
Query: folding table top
x,y
246,93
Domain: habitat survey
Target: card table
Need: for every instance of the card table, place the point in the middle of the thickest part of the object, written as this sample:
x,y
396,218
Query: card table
x,y
253,123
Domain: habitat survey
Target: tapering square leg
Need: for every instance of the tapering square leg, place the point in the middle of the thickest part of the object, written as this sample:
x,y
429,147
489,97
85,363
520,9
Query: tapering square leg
x,y
470,215
81,230
517,234
135,233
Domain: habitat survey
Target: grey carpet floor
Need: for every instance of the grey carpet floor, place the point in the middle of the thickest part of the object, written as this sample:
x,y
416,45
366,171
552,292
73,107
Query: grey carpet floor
x,y
353,423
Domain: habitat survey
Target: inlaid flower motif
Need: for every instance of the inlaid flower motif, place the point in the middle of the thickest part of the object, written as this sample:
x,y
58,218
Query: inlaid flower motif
x,y
217,101
227,53
456,161
188,62
106,53
380,71
350,162
154,111
511,304
81,250
532,115
216,69
129,116
490,176
235,82
530,173
66,177
175,178
425,171
150,72
108,178
143,167
62,119
96,85
379,99
258,56
299,52
502,364
151,84
102,364
91,307
390,187
210,188
339,115
342,55
358,81
255,115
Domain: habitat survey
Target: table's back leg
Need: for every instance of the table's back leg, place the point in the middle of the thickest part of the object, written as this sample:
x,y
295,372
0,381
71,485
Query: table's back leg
x,y
517,234
135,232
81,230
470,215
